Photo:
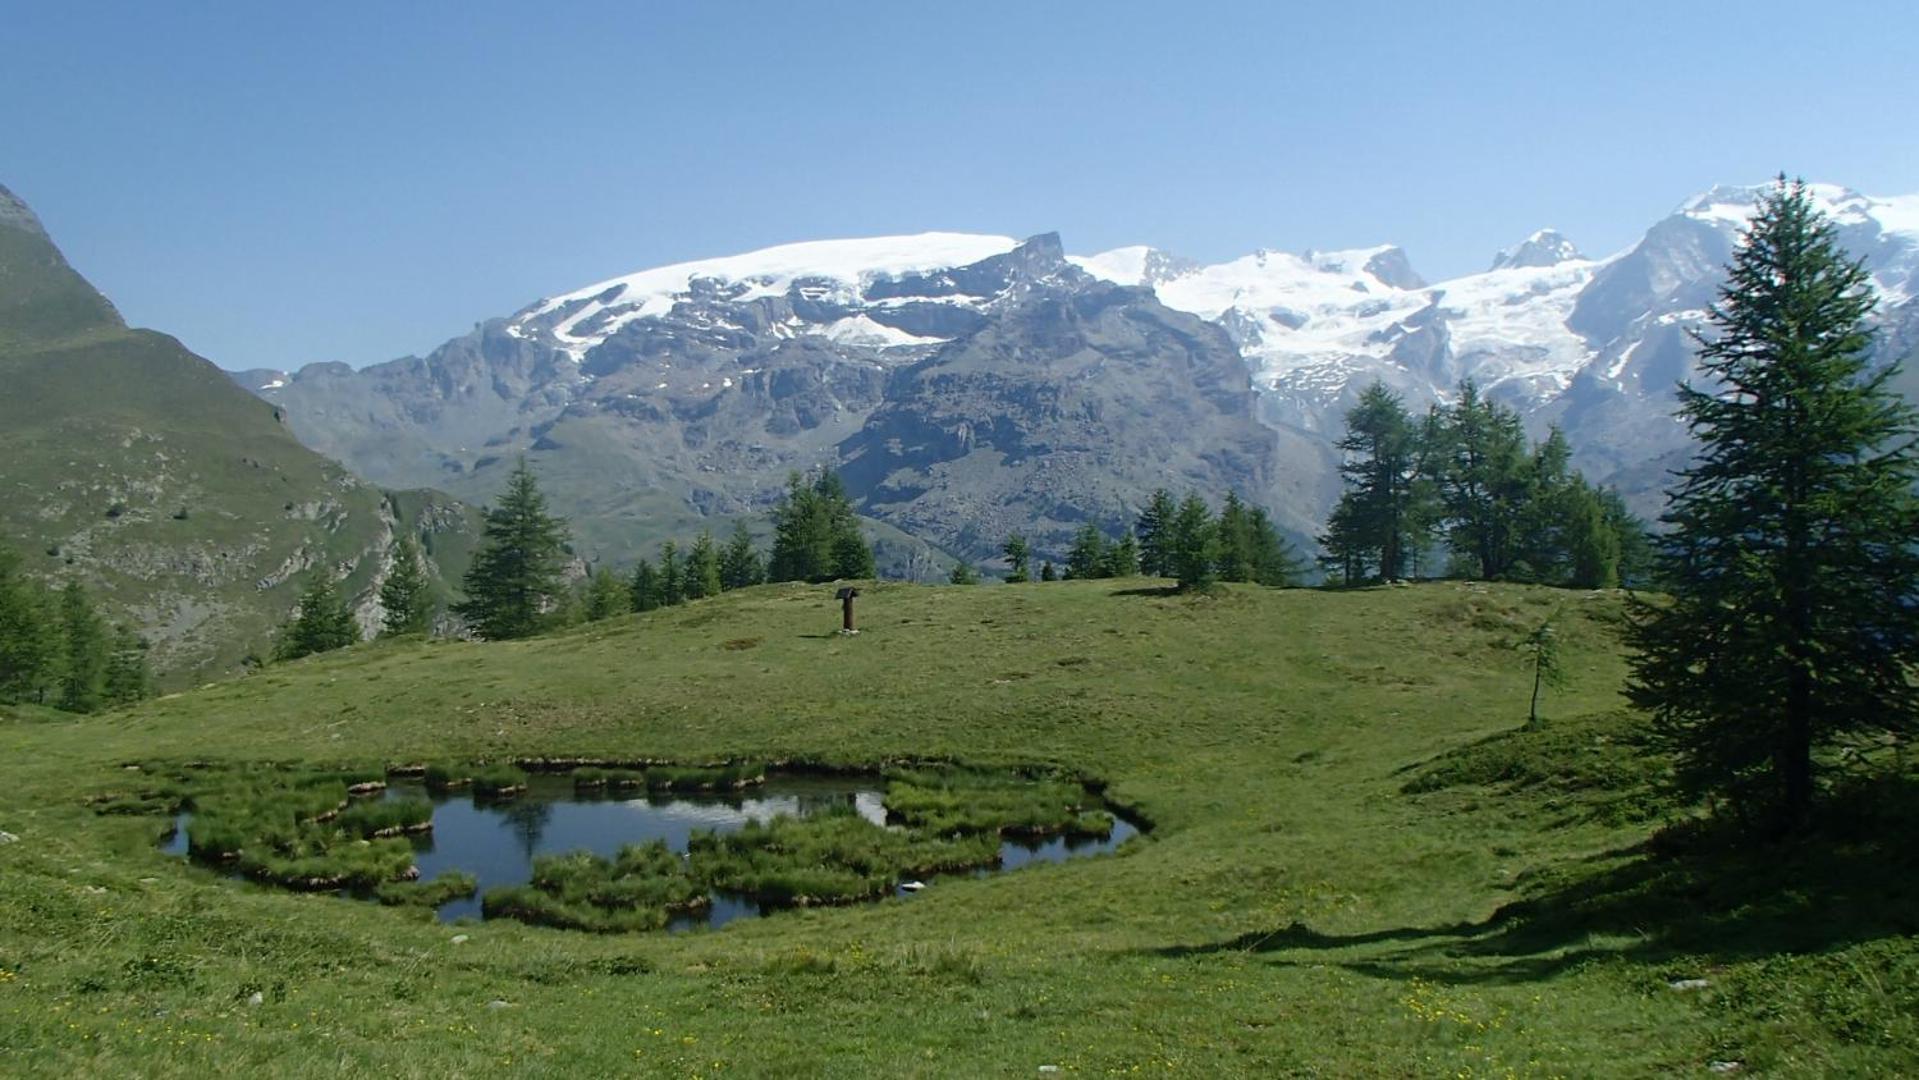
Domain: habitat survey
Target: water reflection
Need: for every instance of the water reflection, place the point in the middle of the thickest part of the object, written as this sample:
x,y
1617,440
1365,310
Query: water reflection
x,y
497,841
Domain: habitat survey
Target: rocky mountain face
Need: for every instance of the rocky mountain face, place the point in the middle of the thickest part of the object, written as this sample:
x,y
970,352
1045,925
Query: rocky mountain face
x,y
184,503
1592,345
973,385
969,385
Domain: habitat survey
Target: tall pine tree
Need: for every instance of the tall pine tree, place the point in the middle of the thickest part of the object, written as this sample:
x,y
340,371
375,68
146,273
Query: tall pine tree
x,y
1381,454
83,674
129,678
29,634
740,564
703,568
816,533
1194,546
1155,532
515,579
325,621
1790,545
1017,552
407,606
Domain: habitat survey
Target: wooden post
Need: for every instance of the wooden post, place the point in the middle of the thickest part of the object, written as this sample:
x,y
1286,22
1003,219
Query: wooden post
x,y
845,597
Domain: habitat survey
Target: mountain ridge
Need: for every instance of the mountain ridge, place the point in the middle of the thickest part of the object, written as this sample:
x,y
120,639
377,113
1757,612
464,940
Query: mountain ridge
x,y
180,501
699,383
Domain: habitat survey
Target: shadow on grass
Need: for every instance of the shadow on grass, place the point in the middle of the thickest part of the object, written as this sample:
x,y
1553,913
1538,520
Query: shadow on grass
x,y
1148,590
1704,890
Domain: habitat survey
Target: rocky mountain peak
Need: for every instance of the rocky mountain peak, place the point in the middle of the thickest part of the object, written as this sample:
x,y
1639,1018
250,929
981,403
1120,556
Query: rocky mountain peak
x,y
1547,247
15,214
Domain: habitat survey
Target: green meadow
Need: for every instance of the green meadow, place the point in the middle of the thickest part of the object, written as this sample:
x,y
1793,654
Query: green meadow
x,y
1360,861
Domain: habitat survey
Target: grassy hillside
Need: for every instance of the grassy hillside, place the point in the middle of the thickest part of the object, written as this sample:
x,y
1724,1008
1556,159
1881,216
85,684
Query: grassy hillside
x,y
1357,865
181,500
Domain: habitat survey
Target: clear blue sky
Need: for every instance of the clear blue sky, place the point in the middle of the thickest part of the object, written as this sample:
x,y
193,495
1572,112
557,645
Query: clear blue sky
x,y
282,183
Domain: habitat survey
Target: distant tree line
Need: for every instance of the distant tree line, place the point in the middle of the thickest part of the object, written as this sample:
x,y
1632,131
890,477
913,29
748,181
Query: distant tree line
x,y
56,650
1185,541
1464,476
518,584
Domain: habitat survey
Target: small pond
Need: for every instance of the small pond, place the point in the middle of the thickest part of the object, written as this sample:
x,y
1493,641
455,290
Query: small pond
x,y
496,841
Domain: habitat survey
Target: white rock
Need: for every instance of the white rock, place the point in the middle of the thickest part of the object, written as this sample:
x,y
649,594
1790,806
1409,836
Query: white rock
x,y
1726,1066
912,886
460,939
496,1003
256,998
1049,1068
8,838
1688,984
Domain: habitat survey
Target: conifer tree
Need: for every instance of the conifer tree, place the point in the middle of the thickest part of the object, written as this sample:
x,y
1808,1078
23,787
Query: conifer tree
x,y
1088,557
606,596
1274,562
1592,541
643,589
963,574
1542,648
1194,544
1235,541
128,677
29,634
1790,551
1155,536
1343,553
816,533
406,603
1017,552
672,577
852,555
1381,452
515,577
1047,572
740,565
1482,469
703,568
83,671
325,621
1122,558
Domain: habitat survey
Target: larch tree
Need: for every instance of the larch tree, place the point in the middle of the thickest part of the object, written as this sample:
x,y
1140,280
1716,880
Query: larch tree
x,y
516,577
1789,552
83,672
405,602
740,564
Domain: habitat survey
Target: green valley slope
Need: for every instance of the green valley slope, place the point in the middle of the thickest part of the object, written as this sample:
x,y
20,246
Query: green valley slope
x,y
182,500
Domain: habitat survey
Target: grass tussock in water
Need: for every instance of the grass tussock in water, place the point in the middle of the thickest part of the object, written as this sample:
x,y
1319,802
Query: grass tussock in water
x,y
387,817
441,776
300,830
830,858
641,888
948,802
452,885
498,782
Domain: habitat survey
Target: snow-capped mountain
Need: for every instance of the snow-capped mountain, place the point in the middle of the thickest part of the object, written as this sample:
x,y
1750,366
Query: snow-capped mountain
x,y
949,372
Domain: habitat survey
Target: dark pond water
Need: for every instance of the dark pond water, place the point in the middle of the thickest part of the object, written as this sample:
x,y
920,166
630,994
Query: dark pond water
x,y
496,842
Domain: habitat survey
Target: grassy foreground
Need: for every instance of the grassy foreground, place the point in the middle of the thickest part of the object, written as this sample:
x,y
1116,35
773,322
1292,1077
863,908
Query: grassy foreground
x,y
1356,867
